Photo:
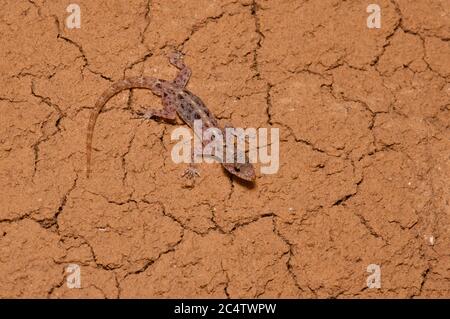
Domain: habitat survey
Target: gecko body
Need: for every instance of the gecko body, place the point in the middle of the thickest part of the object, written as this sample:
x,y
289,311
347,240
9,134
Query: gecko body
x,y
176,99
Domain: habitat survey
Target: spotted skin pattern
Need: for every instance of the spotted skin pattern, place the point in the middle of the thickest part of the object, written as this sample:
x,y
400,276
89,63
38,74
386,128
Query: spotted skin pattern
x,y
175,99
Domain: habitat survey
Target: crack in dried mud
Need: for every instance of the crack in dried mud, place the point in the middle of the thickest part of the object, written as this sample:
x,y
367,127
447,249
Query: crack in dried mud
x,y
353,196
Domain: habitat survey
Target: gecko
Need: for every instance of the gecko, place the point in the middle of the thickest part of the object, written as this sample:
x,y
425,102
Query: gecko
x,y
175,99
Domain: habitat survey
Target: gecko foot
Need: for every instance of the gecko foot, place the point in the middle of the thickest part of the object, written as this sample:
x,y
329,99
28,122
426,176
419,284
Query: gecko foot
x,y
162,114
191,172
147,114
176,59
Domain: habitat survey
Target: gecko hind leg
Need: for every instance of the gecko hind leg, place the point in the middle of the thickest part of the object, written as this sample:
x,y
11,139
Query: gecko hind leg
x,y
182,78
159,115
167,113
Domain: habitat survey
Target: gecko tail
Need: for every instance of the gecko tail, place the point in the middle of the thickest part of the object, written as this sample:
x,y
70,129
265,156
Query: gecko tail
x,y
88,166
128,83
90,132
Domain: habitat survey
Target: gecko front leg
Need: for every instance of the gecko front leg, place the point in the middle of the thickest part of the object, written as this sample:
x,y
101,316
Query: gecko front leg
x,y
191,171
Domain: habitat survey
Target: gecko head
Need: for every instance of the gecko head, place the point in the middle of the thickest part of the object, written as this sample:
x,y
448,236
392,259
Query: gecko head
x,y
244,171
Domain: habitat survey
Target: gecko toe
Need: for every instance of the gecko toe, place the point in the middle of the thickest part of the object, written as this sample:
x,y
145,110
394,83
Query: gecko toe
x,y
191,173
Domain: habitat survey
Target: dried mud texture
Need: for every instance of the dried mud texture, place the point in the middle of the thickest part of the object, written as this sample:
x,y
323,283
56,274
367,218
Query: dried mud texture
x,y
364,119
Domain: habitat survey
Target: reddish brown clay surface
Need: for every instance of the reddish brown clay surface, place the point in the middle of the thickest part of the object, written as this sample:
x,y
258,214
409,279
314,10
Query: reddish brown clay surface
x,y
364,118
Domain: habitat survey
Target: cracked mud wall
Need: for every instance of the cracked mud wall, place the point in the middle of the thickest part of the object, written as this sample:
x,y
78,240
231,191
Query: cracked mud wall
x,y
364,118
